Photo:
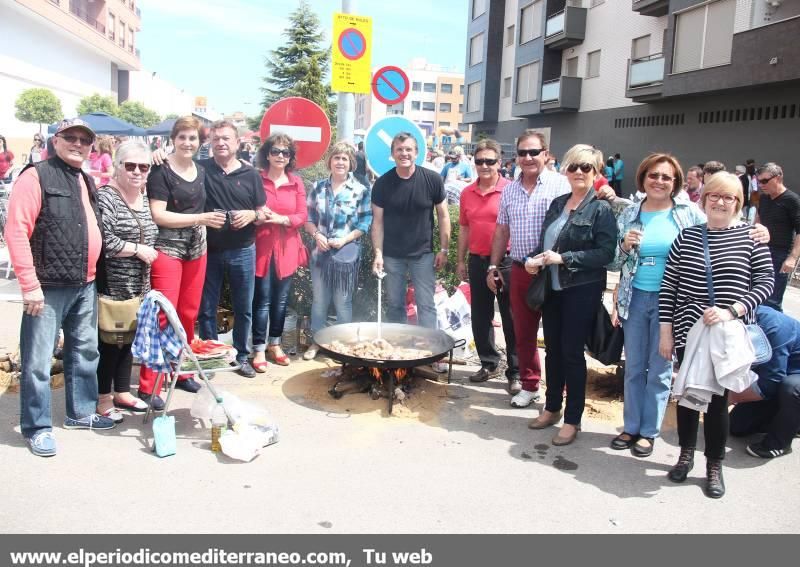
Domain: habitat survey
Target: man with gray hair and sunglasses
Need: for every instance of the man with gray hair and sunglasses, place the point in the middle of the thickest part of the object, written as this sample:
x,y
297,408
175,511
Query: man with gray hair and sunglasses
x,y
54,240
779,211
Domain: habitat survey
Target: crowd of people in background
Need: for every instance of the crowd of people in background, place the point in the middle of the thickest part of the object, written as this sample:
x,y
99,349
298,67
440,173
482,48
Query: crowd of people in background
x,y
695,251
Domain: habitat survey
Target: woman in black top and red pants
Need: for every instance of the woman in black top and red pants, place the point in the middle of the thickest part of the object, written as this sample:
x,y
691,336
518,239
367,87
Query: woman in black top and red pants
x,y
177,200
742,277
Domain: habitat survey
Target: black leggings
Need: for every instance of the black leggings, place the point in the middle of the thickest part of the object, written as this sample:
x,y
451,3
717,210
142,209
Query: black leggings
x,y
715,424
114,367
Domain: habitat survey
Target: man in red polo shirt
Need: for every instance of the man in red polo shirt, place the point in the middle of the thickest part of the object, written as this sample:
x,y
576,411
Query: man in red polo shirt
x,y
480,201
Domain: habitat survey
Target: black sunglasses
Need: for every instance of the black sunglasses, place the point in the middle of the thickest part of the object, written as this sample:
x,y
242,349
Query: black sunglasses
x,y
72,138
130,167
287,153
765,180
532,153
487,161
584,167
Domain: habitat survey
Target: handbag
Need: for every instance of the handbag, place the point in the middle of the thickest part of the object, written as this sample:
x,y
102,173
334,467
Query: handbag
x,y
605,341
116,318
761,346
538,289
340,268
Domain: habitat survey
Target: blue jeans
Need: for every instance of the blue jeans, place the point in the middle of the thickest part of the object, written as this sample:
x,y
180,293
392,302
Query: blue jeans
x,y
323,296
73,309
270,301
240,263
647,374
420,269
776,299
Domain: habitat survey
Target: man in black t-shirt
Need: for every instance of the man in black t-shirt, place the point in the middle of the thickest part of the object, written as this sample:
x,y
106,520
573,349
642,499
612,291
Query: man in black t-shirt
x,y
403,201
233,186
779,211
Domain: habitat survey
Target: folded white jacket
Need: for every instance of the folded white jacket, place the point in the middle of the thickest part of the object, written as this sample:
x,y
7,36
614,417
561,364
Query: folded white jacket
x,y
716,358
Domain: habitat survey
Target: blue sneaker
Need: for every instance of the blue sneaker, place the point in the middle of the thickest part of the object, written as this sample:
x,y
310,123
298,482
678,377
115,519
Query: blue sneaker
x,y
43,444
93,421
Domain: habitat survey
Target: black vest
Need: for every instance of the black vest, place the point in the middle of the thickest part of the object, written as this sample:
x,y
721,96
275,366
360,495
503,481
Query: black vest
x,y
60,239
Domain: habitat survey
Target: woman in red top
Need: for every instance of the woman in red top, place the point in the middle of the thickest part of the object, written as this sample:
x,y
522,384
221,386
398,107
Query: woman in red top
x,y
279,249
101,167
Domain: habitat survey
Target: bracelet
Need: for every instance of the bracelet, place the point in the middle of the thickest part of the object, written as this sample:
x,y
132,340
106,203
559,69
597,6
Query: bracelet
x,y
445,250
135,248
733,311
491,268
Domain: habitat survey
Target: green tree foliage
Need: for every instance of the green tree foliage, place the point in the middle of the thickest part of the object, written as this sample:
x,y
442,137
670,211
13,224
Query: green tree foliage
x,y
300,67
138,114
98,103
40,106
171,116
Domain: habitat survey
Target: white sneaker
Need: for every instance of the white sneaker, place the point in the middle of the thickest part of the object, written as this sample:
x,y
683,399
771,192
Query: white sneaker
x,y
311,353
440,367
524,399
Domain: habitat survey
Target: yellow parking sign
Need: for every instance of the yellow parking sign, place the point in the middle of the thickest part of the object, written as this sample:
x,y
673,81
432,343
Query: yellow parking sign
x,y
352,51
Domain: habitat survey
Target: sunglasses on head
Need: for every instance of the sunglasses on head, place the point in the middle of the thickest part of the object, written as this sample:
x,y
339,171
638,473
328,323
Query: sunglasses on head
x,y
287,153
584,167
72,138
130,167
485,161
765,180
531,153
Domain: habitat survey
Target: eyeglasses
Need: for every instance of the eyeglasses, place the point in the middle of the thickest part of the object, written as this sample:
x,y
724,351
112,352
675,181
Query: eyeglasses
x,y
287,153
584,167
72,138
130,167
486,161
727,199
765,180
662,176
531,153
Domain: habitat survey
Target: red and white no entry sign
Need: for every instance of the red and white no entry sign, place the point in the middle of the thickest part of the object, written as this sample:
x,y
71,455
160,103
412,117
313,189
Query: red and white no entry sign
x,y
305,122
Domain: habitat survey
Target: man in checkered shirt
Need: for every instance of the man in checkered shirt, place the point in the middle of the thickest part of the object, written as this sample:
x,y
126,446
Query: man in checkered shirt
x,y
520,217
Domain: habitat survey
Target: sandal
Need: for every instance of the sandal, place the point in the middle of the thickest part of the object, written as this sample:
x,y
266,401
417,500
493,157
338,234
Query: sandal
x,y
276,355
644,446
620,443
260,367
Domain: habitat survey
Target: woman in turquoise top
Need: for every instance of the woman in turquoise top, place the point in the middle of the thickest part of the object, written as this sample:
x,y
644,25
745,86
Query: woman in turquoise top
x,y
646,232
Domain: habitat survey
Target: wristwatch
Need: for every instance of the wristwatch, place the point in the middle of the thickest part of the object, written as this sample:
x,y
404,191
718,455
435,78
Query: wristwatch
x,y
733,311
491,268
445,250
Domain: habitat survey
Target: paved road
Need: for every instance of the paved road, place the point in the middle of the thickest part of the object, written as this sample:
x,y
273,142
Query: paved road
x,y
458,460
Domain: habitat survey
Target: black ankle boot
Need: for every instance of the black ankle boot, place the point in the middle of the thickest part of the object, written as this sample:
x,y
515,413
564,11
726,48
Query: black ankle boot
x,y
715,484
685,463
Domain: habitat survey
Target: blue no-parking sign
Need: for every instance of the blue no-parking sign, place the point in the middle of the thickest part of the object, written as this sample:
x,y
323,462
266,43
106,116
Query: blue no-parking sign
x,y
378,143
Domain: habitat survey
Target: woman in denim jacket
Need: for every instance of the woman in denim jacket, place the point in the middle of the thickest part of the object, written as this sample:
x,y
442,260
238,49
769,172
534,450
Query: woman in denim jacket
x,y
646,231
578,239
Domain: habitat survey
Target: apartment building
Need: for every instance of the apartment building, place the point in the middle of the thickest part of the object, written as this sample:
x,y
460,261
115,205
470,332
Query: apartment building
x,y
434,103
703,79
72,47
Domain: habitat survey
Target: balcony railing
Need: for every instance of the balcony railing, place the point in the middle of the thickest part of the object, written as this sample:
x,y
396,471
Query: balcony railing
x,y
555,24
80,12
566,28
646,71
651,7
562,94
551,90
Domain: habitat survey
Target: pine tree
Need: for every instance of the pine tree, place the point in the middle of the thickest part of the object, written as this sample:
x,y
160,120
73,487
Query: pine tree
x,y
300,67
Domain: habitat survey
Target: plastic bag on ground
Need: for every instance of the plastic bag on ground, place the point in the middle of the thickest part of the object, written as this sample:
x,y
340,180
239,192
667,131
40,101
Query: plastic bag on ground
x,y
203,404
241,446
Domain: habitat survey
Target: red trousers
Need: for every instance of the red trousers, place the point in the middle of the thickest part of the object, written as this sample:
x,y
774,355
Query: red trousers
x,y
181,281
526,329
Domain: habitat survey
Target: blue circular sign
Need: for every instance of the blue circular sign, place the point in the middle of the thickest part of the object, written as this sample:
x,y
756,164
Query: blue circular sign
x,y
378,142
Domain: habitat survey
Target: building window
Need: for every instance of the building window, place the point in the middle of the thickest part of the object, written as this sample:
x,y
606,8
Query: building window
x,y
429,106
507,87
442,123
446,88
571,67
130,40
704,36
530,22
414,105
593,64
474,97
476,49
478,8
510,34
445,107
416,86
527,82
463,127
429,87
461,109
122,34
112,26
640,47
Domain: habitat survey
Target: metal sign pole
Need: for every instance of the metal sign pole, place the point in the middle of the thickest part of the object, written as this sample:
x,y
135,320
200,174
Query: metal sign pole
x,y
346,110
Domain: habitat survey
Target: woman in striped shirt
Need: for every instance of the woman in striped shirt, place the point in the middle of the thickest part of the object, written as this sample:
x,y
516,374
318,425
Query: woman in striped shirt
x,y
742,276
